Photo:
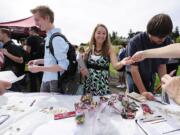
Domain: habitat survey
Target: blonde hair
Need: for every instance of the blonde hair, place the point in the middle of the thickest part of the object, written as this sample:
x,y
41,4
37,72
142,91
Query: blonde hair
x,y
106,45
44,11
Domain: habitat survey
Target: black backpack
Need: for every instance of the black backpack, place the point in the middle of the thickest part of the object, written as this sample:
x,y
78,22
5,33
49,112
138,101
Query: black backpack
x,y
65,81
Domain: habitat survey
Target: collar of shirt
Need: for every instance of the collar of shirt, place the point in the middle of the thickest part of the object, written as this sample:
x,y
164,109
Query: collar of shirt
x,y
53,30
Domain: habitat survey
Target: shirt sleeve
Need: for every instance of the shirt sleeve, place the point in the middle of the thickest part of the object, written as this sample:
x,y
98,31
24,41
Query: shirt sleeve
x,y
15,50
60,51
132,48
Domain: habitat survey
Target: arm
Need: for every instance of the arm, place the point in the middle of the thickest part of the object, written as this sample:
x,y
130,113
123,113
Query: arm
x,y
170,51
35,68
39,61
36,62
60,52
137,79
139,84
118,65
13,57
162,70
4,85
172,86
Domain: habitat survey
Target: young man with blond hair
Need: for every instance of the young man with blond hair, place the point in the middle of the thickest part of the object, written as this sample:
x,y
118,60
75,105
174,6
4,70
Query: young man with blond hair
x,y
44,19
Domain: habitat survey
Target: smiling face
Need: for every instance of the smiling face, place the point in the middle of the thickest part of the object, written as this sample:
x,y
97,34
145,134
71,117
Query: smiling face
x,y
41,22
100,35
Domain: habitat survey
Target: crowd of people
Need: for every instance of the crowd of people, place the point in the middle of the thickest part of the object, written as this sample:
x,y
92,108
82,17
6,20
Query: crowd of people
x,y
57,63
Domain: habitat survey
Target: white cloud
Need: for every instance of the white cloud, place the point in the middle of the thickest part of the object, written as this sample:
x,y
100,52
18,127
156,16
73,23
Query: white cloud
x,y
77,18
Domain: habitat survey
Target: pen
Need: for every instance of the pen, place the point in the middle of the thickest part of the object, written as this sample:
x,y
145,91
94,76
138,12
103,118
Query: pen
x,y
159,86
158,101
159,121
32,102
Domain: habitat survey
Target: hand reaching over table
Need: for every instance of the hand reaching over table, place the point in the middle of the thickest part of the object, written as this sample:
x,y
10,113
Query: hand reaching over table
x,y
172,86
3,86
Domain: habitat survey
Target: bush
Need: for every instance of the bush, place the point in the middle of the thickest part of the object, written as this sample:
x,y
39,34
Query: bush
x,y
178,39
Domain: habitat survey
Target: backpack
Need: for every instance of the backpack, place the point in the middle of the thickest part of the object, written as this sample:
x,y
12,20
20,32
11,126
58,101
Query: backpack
x,y
122,54
66,80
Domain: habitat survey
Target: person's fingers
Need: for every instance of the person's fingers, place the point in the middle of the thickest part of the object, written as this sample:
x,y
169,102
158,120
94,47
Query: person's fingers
x,y
30,63
7,85
166,78
148,95
151,97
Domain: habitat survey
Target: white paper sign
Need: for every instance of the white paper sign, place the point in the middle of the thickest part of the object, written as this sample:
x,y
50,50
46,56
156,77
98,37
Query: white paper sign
x,y
9,76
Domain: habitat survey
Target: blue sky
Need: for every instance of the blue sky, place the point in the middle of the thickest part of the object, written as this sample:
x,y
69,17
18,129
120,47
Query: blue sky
x,y
77,18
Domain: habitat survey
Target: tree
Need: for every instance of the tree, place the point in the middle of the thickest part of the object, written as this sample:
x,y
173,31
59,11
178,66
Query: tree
x,y
130,34
175,33
114,36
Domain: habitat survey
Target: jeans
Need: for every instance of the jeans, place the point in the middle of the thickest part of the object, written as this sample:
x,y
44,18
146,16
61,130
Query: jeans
x,y
50,86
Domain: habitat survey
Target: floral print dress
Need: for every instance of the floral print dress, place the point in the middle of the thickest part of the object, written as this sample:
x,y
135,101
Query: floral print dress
x,y
97,83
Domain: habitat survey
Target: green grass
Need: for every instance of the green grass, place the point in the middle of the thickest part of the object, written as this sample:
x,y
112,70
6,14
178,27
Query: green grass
x,y
113,72
158,79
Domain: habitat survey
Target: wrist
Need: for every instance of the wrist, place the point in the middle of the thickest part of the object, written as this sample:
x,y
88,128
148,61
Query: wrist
x,y
35,62
143,93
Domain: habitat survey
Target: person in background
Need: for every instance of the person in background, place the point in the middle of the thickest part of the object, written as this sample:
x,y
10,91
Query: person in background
x,y
170,84
13,57
34,42
24,46
80,65
141,75
98,57
122,71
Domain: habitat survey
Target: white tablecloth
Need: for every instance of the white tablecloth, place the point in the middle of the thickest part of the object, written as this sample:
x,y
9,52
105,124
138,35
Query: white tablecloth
x,y
32,121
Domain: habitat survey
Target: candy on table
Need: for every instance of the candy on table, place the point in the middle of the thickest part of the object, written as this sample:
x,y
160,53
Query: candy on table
x,y
146,109
128,114
86,104
129,110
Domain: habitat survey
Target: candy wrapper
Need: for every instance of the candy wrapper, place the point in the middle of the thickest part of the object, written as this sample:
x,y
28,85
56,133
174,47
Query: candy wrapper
x,y
85,105
64,115
146,109
129,110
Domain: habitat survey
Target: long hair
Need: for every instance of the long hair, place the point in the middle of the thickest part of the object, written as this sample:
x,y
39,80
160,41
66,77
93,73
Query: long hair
x,y
106,45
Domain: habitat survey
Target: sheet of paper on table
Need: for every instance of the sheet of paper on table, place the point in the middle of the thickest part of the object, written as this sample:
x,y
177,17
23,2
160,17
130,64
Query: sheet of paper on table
x,y
9,76
161,127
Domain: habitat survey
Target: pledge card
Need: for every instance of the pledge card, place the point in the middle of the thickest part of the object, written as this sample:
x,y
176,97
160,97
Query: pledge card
x,y
9,76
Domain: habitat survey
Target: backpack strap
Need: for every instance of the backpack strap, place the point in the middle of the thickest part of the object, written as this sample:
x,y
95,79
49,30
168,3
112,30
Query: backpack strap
x,y
51,49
